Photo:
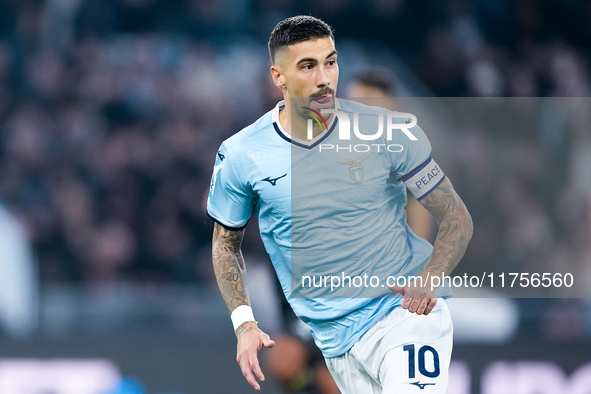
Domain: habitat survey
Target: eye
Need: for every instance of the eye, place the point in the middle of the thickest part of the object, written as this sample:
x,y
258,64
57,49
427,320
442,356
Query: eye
x,y
307,66
332,62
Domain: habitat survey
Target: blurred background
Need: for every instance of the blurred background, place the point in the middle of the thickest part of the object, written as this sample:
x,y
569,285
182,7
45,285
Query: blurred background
x,y
111,113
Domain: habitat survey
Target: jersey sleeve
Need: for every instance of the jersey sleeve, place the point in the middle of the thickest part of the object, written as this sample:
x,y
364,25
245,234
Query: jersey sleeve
x,y
415,167
230,202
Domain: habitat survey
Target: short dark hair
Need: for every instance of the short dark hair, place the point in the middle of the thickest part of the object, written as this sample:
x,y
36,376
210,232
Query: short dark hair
x,y
297,29
377,77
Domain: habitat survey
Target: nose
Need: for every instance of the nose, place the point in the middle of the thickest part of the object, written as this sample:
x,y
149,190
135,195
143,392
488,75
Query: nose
x,y
323,78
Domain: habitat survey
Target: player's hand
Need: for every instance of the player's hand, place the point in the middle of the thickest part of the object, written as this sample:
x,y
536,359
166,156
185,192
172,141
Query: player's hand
x,y
250,340
417,299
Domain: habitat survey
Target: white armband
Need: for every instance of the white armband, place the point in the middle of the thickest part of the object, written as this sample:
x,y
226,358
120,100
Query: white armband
x,y
424,179
241,315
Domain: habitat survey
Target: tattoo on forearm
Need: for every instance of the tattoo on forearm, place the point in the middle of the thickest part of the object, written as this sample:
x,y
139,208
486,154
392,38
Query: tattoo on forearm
x,y
243,329
228,265
455,228
448,229
434,267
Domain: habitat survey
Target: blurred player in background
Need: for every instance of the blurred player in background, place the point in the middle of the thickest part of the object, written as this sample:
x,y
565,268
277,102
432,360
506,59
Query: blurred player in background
x,y
370,344
373,82
379,82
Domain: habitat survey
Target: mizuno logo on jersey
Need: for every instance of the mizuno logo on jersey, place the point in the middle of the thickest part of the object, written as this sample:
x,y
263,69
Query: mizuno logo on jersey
x,y
273,181
422,385
222,157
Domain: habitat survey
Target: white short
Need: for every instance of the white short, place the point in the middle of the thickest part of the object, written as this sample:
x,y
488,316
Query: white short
x,y
403,353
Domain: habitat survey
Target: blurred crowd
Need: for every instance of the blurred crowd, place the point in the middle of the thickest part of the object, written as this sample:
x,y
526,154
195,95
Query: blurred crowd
x,y
111,112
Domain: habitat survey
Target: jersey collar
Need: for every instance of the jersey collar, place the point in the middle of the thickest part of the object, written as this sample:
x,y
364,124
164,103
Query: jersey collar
x,y
296,141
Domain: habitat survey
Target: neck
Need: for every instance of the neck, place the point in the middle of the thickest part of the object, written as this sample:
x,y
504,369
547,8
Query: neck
x,y
295,125
285,117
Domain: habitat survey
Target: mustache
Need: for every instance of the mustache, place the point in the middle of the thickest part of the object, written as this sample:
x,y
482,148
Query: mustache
x,y
322,92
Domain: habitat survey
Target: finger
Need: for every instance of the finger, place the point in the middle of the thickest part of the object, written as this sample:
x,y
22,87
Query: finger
x,y
245,366
397,289
414,305
423,306
247,372
257,369
406,303
267,341
432,304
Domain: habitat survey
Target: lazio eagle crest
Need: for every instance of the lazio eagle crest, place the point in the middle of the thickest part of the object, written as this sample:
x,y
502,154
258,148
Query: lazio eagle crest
x,y
355,167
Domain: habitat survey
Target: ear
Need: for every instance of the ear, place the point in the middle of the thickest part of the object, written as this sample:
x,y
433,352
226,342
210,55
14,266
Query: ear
x,y
277,76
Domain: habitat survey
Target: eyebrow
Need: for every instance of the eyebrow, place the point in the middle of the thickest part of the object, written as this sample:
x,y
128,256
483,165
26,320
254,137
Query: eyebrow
x,y
313,60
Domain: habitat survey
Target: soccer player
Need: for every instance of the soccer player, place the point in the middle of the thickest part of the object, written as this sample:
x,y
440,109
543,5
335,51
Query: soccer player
x,y
377,344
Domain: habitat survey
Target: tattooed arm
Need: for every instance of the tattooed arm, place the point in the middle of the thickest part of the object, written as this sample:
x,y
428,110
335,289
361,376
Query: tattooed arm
x,y
455,228
455,232
228,265
230,271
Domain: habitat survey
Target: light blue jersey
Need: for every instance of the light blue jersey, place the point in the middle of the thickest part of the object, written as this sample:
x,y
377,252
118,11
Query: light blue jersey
x,y
329,208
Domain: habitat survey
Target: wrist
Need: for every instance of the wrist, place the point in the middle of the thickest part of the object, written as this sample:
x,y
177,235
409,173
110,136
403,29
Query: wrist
x,y
246,327
242,314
